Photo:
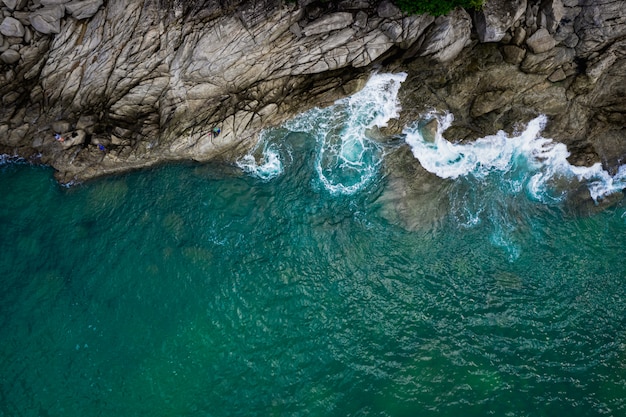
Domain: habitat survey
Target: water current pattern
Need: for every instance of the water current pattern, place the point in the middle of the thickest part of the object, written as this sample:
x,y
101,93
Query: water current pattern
x,y
283,286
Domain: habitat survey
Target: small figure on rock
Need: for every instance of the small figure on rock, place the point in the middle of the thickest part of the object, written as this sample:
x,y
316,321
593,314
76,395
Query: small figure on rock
x,y
216,131
58,137
101,147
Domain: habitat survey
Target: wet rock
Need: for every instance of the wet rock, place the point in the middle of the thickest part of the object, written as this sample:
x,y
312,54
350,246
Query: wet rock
x,y
429,130
540,41
150,79
12,27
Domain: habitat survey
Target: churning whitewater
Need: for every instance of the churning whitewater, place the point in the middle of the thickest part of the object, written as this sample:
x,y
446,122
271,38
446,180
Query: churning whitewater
x,y
540,162
195,290
346,159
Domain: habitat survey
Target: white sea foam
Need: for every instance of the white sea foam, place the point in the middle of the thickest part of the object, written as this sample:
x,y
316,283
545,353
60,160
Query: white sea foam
x,y
267,167
543,160
346,159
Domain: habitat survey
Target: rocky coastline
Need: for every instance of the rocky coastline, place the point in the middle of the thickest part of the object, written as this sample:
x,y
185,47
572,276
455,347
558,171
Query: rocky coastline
x,y
93,87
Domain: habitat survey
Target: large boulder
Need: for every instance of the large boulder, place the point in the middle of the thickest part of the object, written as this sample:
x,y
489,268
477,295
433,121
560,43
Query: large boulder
x,y
12,27
10,56
552,11
47,20
541,41
447,37
496,17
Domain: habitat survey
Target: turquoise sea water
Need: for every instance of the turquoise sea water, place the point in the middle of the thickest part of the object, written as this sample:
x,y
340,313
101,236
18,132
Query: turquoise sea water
x,y
285,287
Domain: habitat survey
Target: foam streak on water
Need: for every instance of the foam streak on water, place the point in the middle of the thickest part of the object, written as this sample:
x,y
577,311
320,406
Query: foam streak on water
x,y
543,160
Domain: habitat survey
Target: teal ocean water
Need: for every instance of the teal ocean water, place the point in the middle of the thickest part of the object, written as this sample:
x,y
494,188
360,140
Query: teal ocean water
x,y
294,284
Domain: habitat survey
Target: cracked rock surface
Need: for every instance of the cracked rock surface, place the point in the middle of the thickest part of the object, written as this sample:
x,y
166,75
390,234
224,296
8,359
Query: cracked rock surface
x,y
148,80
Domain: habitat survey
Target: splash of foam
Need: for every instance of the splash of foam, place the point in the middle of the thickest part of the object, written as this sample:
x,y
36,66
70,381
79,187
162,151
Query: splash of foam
x,y
543,160
347,160
269,165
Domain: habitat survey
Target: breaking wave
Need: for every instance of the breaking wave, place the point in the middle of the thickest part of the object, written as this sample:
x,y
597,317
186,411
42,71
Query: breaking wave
x,y
532,162
345,159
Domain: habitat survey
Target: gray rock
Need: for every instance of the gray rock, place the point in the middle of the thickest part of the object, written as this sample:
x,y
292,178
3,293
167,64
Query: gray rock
x,y
10,56
447,37
518,36
490,101
513,54
387,9
15,4
602,63
547,62
61,126
393,30
83,9
12,27
354,4
23,17
599,24
52,2
540,41
496,17
86,123
296,29
46,21
553,11
73,138
361,20
557,75
28,35
329,23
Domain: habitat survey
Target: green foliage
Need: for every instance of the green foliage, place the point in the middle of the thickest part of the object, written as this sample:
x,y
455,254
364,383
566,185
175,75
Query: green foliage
x,y
435,7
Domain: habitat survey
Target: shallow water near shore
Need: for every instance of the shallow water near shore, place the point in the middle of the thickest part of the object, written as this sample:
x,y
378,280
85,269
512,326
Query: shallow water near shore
x,y
284,287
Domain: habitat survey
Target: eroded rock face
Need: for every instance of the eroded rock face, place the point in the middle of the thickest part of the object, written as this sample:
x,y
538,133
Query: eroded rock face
x,y
154,78
496,17
148,80
562,59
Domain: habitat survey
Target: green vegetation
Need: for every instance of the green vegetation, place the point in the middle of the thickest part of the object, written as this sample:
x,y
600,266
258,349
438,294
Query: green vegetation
x,y
435,7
